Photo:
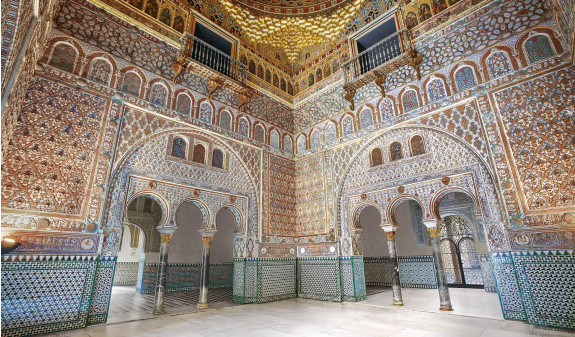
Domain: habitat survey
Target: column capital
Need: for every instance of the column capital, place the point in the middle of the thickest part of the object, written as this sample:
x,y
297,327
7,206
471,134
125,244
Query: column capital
x,y
433,232
390,235
166,237
207,240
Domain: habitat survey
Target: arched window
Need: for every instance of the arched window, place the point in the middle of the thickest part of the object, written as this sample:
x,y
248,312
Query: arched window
x,y
318,75
315,139
275,139
179,146
244,60
498,64
335,65
205,113
166,17
100,71
410,101
347,125
199,154
244,127
310,80
411,20
159,95
218,158
268,76
290,88
330,131
417,145
366,118
64,57
439,6
465,78
301,146
132,83
152,8
252,67
225,120
179,24
283,85
376,157
386,109
327,70
538,48
276,81
260,133
183,104
424,12
436,90
395,151
136,3
261,72
288,146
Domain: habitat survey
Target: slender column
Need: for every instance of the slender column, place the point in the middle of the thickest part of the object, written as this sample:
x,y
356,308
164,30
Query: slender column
x,y
166,235
205,276
396,285
444,299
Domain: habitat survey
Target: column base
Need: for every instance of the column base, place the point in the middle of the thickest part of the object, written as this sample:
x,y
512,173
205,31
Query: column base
x,y
158,312
399,304
445,308
203,306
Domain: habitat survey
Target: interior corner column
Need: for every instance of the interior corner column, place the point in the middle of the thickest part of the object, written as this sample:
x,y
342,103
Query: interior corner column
x,y
166,235
396,285
444,299
205,276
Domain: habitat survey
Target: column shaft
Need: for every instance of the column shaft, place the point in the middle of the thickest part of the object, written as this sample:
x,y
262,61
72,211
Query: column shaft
x,y
444,299
205,276
396,285
162,272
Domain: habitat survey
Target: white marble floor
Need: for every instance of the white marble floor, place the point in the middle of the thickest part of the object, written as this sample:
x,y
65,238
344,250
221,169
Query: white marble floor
x,y
300,317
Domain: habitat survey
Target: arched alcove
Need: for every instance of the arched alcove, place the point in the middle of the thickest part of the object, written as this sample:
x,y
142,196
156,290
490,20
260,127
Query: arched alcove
x,y
186,242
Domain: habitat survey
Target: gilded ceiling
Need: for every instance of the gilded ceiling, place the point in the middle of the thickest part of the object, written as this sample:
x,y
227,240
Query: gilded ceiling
x,y
293,35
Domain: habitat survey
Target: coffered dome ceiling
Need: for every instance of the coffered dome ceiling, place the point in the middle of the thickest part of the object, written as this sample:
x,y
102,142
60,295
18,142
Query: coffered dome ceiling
x,y
288,30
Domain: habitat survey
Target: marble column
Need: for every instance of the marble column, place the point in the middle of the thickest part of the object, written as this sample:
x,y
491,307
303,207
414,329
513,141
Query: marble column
x,y
396,285
444,299
166,235
205,276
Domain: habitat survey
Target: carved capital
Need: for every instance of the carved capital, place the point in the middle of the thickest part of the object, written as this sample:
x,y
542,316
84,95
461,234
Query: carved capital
x,y
207,240
390,236
166,237
433,232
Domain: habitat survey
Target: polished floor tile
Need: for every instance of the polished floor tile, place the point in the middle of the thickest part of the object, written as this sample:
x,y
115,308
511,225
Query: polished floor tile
x,y
308,318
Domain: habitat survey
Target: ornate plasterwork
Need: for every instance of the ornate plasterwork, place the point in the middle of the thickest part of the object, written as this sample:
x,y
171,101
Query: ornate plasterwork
x,y
420,179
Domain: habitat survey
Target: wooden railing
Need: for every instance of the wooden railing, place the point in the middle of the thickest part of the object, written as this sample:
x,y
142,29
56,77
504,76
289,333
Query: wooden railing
x,y
371,58
216,60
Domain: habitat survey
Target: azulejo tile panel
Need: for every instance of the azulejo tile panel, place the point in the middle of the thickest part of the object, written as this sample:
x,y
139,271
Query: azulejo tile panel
x,y
276,279
45,296
102,290
319,278
126,273
186,276
414,271
547,283
487,271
